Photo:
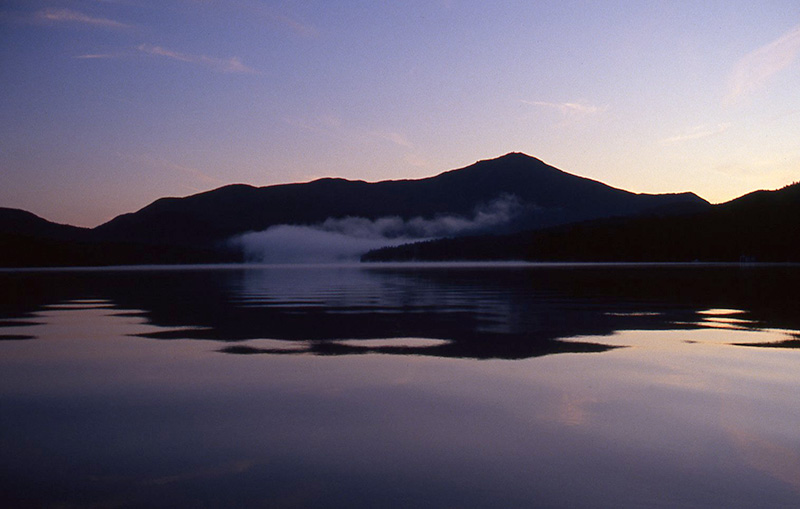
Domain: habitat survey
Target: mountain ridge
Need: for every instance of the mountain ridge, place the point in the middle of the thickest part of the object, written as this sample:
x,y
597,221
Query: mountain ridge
x,y
198,228
239,208
18,221
762,226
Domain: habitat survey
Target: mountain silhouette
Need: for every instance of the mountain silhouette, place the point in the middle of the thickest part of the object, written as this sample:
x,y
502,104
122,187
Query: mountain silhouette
x,y
21,222
196,228
30,241
546,197
763,226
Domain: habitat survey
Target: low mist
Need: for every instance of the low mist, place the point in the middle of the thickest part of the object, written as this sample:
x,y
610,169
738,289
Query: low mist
x,y
346,239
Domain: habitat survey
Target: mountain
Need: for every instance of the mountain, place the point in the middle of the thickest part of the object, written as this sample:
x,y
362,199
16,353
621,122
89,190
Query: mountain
x,y
27,240
761,226
21,222
508,194
541,195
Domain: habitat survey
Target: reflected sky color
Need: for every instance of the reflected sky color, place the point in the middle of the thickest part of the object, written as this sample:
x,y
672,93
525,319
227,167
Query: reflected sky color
x,y
107,106
100,410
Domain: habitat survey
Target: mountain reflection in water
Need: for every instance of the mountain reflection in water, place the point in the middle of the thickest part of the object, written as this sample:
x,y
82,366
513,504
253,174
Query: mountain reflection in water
x,y
494,311
114,392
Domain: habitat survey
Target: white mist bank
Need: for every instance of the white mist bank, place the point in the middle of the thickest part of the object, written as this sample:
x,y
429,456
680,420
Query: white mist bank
x,y
346,239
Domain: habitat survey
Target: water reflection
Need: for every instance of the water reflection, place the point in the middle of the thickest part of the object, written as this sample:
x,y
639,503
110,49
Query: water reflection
x,y
510,312
96,413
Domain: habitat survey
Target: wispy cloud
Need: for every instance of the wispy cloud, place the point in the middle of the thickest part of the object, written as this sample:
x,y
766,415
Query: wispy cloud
x,y
393,137
196,176
98,56
264,11
230,65
334,127
292,24
195,173
70,16
755,69
418,161
328,125
569,108
277,17
697,132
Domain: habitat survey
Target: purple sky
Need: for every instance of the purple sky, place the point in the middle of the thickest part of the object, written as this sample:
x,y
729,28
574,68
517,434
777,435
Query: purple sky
x,y
108,105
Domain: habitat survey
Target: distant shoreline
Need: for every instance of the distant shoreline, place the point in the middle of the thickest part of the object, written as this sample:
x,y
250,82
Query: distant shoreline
x,y
510,264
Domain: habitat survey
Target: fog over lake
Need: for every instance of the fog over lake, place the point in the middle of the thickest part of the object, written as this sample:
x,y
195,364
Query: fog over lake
x,y
401,385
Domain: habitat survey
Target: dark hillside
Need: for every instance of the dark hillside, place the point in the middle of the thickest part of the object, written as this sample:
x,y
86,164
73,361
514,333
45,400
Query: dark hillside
x,y
197,228
762,226
22,222
545,196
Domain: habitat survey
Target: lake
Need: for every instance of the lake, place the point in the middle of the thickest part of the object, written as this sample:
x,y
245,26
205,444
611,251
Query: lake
x,y
401,385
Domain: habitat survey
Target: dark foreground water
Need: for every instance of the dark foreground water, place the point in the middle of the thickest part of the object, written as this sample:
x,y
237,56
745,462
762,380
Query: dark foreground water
x,y
413,386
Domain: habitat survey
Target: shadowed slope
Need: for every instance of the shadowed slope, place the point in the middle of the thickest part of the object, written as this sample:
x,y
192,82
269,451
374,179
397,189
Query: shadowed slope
x,y
546,195
760,226
197,228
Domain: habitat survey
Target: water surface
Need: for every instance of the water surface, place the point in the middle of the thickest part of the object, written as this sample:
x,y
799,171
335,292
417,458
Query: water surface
x,y
432,386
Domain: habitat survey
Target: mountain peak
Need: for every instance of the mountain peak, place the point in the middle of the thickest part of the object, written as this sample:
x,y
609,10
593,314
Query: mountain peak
x,y
516,157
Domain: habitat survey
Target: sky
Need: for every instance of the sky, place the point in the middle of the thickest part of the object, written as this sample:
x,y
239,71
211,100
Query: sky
x,y
107,105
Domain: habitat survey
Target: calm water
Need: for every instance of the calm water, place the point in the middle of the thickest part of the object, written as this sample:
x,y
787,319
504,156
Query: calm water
x,y
382,386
